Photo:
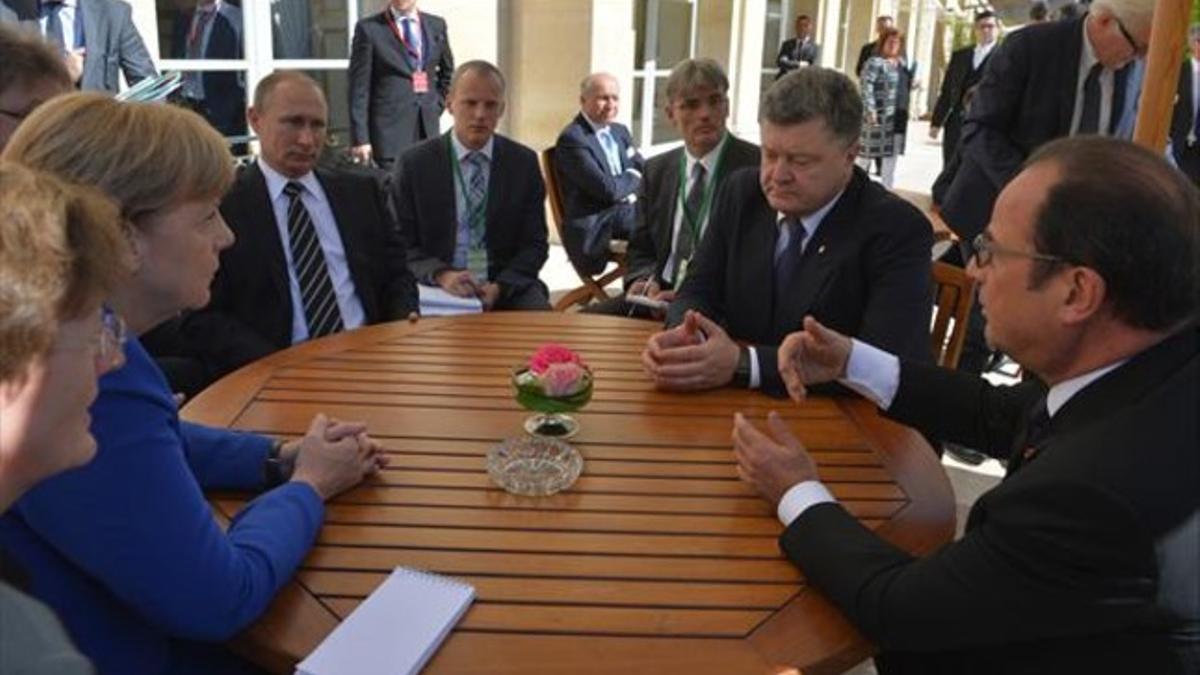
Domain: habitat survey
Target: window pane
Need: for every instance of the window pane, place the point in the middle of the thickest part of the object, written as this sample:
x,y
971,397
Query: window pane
x,y
309,29
211,33
635,127
772,37
674,32
663,131
334,84
639,33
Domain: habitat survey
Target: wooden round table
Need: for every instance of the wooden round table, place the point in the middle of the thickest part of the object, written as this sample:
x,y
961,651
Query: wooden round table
x,y
657,560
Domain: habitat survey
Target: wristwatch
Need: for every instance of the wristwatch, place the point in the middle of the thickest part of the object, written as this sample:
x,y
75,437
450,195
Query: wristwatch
x,y
276,472
741,374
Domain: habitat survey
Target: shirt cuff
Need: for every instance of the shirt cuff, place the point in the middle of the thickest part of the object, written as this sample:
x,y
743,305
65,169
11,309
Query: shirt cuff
x,y
799,498
755,372
873,373
634,172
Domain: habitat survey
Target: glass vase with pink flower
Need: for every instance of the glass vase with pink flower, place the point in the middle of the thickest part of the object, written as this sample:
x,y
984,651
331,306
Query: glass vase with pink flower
x,y
553,383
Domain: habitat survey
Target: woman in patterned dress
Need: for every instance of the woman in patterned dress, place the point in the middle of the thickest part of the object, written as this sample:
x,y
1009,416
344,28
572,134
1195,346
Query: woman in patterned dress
x,y
886,81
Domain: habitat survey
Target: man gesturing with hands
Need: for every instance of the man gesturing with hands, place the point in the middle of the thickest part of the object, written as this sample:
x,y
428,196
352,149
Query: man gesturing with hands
x,y
1083,558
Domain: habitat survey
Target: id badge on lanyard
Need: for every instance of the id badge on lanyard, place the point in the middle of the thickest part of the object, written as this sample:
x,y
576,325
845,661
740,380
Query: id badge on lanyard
x,y
420,77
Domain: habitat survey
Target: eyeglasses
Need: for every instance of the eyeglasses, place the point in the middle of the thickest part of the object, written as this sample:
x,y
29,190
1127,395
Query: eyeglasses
x,y
109,343
1137,51
985,249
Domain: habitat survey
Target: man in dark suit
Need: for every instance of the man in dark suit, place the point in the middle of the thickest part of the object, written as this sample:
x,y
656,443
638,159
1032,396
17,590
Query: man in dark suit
x,y
317,251
1083,559
962,74
1033,91
96,37
1185,123
599,171
212,30
882,23
799,51
400,67
808,233
676,195
471,203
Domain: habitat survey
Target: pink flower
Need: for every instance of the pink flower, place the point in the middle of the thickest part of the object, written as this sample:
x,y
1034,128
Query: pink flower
x,y
549,354
561,380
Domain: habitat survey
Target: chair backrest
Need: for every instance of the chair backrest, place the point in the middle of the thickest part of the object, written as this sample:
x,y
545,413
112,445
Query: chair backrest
x,y
954,293
552,193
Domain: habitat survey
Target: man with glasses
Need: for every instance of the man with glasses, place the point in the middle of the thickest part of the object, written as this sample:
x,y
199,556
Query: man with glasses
x,y
1083,559
32,73
1046,81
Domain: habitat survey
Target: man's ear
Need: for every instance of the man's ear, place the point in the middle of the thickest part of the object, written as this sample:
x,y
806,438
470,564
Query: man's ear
x,y
1086,294
253,117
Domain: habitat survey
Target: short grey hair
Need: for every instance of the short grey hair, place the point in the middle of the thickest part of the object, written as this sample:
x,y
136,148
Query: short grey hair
x,y
585,85
812,93
693,73
1135,14
479,67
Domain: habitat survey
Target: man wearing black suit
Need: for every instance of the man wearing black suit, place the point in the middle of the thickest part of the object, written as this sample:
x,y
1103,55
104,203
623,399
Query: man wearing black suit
x,y
471,203
96,37
317,251
808,233
1185,124
599,171
400,67
1083,559
962,74
676,195
213,30
799,51
882,23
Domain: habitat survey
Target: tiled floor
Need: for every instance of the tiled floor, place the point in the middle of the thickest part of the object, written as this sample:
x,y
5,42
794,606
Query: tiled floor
x,y
915,173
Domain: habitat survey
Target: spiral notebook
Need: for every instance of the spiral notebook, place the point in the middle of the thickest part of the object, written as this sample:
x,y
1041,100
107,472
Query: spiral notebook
x,y
396,629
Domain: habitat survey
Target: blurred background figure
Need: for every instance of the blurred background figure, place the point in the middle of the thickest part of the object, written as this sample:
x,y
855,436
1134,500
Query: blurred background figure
x,y
886,83
32,74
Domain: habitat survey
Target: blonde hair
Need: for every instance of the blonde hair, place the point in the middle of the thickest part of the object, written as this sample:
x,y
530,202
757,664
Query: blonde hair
x,y
146,156
62,248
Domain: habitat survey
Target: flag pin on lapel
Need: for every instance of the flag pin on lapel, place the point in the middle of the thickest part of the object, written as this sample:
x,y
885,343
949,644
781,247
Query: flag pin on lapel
x,y
821,249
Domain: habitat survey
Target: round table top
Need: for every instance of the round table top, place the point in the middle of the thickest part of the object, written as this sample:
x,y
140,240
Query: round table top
x,y
657,560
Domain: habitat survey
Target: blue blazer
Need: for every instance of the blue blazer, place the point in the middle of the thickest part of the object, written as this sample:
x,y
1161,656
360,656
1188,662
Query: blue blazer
x,y
126,548
593,199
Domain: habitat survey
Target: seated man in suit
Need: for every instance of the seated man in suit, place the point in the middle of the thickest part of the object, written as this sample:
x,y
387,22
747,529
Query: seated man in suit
x,y
471,203
1083,559
806,233
317,251
677,193
599,171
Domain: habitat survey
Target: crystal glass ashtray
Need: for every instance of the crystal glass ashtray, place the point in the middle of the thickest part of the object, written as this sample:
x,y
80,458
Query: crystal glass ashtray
x,y
534,466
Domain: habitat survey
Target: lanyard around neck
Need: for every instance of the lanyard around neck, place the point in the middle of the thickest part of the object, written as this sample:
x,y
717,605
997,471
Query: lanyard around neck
x,y
413,58
709,188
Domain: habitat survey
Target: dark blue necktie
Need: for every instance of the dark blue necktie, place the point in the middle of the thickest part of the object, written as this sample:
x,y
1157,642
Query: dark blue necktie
x,y
788,261
1089,119
51,9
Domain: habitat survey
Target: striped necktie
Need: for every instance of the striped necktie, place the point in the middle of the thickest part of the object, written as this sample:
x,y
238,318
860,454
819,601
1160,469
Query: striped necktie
x,y
321,312
476,215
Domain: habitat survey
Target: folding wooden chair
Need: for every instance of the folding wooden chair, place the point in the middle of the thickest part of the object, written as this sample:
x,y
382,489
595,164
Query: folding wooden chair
x,y
954,292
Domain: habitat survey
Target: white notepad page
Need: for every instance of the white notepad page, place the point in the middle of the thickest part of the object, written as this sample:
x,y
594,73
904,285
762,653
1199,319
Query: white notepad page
x,y
395,630
435,301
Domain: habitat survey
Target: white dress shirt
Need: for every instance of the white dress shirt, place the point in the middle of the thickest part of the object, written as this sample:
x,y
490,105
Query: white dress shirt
x,y
709,161
981,52
1087,58
1195,98
314,199
875,374
809,223
607,128
66,17
462,240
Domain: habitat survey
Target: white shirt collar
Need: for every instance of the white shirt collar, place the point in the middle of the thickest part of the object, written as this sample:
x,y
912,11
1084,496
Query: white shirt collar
x,y
461,151
595,127
1064,391
812,221
1087,57
983,50
708,160
277,181
411,14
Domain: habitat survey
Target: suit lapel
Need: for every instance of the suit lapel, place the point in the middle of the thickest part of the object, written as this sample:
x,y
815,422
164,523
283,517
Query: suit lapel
x,y
259,215
1068,70
669,200
93,36
593,142
344,207
392,46
497,188
820,257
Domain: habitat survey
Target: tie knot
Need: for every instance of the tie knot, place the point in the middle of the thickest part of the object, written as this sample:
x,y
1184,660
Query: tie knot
x,y
698,171
293,189
477,159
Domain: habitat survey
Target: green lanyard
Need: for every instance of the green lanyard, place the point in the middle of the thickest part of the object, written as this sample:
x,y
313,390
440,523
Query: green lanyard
x,y
475,213
694,221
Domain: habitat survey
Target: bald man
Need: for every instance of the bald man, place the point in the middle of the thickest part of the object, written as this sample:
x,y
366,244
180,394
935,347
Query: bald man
x,y
599,171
